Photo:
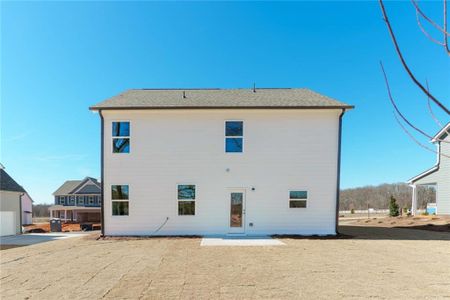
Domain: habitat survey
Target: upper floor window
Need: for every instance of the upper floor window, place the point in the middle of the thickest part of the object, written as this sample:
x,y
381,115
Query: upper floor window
x,y
297,199
121,137
120,199
80,200
186,199
62,200
72,200
234,136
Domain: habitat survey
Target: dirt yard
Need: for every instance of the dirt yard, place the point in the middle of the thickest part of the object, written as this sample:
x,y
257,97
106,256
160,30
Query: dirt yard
x,y
376,263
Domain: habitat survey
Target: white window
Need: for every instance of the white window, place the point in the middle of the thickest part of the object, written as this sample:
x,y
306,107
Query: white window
x,y
298,199
81,200
121,137
62,200
119,200
234,136
186,199
91,200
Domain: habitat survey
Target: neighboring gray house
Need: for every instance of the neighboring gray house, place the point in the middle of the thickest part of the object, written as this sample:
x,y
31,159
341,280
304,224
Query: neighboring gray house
x,y
12,196
77,200
438,175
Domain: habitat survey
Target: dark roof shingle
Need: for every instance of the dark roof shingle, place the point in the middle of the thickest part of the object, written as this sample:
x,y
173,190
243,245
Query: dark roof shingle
x,y
9,184
219,98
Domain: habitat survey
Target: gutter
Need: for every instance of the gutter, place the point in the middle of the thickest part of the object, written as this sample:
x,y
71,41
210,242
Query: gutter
x,y
102,183
338,178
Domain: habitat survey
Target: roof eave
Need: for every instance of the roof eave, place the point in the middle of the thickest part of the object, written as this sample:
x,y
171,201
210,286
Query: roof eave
x,y
423,174
438,135
97,108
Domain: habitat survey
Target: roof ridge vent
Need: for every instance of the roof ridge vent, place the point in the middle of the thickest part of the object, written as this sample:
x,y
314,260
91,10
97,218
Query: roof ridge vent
x,y
254,87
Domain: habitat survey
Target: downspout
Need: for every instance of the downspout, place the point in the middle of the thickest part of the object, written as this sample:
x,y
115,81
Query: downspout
x,y
21,213
338,178
413,185
102,207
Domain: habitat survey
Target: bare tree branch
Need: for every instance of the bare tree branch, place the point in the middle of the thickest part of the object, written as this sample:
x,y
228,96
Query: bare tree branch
x,y
445,28
418,10
415,140
426,33
399,112
397,48
436,120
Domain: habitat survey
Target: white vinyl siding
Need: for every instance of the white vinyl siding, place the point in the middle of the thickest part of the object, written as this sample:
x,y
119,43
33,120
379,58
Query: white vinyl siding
x,y
283,148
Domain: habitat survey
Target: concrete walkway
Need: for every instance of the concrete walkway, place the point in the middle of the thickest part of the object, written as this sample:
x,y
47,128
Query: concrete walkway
x,y
35,238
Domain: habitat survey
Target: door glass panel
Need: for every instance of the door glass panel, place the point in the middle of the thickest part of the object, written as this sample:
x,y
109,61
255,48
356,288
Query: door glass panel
x,y
236,209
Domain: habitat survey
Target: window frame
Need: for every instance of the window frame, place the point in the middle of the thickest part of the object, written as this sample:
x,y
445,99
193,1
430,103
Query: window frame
x,y
120,137
120,200
62,200
187,200
80,200
294,199
234,136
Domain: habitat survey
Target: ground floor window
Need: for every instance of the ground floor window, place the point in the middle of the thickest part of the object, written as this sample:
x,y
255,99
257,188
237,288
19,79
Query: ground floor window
x,y
119,208
120,200
186,199
298,199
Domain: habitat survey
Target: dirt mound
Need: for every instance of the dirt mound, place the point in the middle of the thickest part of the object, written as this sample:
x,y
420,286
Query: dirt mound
x,y
433,223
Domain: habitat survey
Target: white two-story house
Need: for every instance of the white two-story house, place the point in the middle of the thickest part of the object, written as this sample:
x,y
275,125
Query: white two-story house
x,y
220,161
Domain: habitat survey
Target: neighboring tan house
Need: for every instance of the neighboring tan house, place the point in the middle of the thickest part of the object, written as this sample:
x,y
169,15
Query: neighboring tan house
x,y
77,200
15,205
220,161
439,175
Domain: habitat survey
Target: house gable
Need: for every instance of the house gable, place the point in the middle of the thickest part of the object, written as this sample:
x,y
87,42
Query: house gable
x,y
89,185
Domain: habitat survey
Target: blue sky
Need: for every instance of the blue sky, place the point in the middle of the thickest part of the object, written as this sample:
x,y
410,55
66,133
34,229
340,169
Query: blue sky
x,y
58,58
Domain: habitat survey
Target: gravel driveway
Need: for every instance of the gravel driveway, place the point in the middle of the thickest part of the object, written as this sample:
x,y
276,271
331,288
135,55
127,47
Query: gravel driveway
x,y
376,263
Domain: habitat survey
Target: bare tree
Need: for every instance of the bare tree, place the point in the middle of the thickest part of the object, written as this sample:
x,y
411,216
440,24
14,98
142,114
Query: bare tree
x,y
399,116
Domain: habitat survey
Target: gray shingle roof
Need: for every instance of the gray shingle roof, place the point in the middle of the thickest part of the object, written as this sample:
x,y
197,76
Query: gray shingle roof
x,y
219,98
70,186
67,187
9,184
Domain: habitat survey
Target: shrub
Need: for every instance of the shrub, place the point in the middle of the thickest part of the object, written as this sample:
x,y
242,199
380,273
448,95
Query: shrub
x,y
352,211
393,207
